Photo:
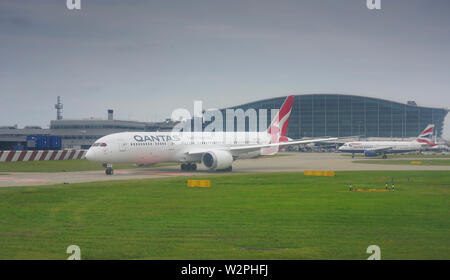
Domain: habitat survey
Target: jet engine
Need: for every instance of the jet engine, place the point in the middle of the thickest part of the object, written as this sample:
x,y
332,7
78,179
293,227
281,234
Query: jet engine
x,y
217,160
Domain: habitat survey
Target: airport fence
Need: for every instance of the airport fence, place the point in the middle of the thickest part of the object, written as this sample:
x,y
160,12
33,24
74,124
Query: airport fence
x,y
30,155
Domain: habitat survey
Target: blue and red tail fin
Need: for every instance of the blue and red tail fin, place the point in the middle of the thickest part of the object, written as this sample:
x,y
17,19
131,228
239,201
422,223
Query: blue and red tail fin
x,y
426,136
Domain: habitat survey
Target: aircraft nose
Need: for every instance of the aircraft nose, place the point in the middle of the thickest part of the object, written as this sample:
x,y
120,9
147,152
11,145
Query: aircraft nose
x,y
89,154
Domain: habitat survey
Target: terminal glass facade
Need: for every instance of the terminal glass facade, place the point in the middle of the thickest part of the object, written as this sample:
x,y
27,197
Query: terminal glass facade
x,y
317,115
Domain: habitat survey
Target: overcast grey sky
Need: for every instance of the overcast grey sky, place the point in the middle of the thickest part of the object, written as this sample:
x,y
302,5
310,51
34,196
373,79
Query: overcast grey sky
x,y
146,58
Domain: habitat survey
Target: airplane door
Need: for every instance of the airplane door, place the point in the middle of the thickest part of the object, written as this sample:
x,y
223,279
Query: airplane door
x,y
123,147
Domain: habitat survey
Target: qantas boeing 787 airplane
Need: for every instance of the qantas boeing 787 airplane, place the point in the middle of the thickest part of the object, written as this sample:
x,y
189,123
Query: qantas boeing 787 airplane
x,y
215,150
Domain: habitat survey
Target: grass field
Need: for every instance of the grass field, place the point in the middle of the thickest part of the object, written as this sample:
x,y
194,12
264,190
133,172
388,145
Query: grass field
x,y
263,216
436,162
60,166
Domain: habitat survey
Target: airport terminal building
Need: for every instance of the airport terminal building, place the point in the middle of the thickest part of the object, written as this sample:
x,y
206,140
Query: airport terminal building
x,y
312,115
316,115
75,134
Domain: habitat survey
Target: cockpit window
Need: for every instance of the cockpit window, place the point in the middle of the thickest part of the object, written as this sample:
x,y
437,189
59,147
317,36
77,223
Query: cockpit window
x,y
99,145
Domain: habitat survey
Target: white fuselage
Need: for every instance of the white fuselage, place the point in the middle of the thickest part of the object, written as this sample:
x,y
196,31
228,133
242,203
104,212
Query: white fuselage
x,y
394,146
155,147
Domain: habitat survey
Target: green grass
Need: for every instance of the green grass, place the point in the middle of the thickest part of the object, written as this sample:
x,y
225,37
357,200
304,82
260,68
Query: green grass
x,y
437,162
60,166
302,217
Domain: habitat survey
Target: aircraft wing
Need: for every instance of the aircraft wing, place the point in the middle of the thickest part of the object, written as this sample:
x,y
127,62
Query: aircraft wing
x,y
196,151
254,147
380,149
249,148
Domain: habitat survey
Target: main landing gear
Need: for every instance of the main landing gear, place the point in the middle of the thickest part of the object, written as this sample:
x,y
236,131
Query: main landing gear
x,y
188,166
229,169
109,170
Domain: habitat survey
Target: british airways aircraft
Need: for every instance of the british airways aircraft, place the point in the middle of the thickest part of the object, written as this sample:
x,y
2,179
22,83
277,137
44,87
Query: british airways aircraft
x,y
215,150
374,148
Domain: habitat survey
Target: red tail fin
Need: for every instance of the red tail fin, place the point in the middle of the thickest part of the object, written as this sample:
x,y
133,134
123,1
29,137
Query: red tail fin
x,y
278,127
280,122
